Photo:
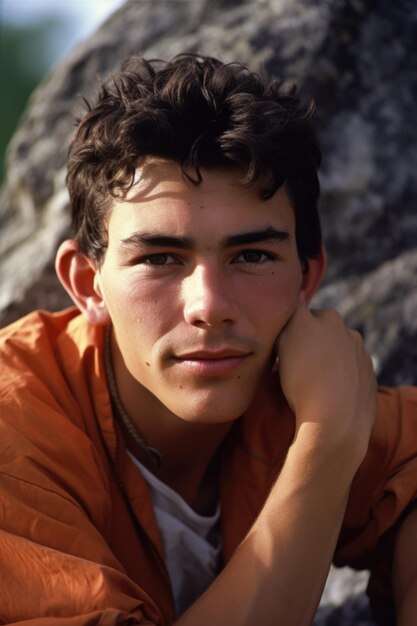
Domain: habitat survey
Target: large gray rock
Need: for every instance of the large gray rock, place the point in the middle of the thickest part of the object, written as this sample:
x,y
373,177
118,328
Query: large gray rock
x,y
358,59
344,602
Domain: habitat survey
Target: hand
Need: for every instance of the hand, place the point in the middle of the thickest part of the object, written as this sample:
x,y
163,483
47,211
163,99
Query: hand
x,y
328,380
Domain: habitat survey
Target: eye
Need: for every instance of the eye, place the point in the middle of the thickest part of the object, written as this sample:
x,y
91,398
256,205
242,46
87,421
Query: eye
x,y
160,259
256,257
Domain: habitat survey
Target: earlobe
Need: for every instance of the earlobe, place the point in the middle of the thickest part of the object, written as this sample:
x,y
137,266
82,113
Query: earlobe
x,y
312,279
78,275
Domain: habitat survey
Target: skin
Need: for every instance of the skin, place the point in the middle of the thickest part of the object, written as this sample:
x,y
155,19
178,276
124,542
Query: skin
x,y
195,328
405,571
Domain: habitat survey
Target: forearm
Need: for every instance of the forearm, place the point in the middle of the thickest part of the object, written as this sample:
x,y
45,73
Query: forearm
x,y
407,611
405,572
277,574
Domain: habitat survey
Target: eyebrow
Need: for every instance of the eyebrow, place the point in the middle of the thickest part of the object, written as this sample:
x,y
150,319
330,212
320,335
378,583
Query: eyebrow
x,y
140,240
256,236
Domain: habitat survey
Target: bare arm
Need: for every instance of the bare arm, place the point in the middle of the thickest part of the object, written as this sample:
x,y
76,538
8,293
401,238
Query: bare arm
x,y
277,574
405,572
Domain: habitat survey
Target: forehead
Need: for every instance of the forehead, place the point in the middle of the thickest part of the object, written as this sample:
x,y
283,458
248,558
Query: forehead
x,y
162,199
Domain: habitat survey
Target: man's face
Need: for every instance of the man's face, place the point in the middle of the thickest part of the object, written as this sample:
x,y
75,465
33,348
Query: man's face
x,y
198,281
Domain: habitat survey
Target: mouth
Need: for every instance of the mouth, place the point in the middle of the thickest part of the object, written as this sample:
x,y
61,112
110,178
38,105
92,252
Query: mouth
x,y
212,363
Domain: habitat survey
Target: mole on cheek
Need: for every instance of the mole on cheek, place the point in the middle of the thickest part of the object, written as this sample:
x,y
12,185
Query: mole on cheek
x,y
148,364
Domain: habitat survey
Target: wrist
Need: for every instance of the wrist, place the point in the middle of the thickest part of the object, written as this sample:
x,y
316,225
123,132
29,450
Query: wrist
x,y
321,447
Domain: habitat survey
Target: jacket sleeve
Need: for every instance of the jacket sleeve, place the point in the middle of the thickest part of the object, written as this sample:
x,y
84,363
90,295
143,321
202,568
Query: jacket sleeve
x,y
383,491
56,568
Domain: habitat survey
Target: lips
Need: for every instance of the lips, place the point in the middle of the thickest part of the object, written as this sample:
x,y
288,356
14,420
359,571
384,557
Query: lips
x,y
223,353
212,362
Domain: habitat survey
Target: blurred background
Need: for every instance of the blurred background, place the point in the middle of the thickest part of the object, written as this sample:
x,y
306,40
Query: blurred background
x,y
34,36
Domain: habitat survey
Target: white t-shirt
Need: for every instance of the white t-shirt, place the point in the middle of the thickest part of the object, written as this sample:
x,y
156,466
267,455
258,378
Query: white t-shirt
x,y
192,542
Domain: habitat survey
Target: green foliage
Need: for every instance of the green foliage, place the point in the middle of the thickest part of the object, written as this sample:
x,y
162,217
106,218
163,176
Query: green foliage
x,y
23,62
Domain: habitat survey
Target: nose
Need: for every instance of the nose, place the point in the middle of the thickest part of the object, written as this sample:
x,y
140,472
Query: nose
x,y
208,298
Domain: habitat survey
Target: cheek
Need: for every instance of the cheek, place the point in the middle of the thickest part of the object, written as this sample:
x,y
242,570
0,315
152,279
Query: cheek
x,y
142,309
273,304
132,296
277,294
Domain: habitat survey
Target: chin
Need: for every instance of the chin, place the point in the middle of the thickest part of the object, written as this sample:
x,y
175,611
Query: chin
x,y
210,410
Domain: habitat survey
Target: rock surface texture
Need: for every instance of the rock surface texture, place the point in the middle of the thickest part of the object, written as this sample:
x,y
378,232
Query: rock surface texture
x,y
358,59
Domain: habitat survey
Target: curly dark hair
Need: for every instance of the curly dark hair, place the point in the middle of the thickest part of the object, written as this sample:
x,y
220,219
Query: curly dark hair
x,y
201,113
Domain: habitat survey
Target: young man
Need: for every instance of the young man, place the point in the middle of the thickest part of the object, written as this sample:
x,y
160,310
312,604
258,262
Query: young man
x,y
192,444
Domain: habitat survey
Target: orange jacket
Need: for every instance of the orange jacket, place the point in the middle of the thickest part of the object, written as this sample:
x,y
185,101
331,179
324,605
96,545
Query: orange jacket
x,y
79,544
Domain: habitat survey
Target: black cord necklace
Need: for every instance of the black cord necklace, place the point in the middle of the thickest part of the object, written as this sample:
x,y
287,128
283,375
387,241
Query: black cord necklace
x,y
120,414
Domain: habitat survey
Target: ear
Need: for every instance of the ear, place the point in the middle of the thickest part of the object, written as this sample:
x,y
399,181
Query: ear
x,y
312,279
79,276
